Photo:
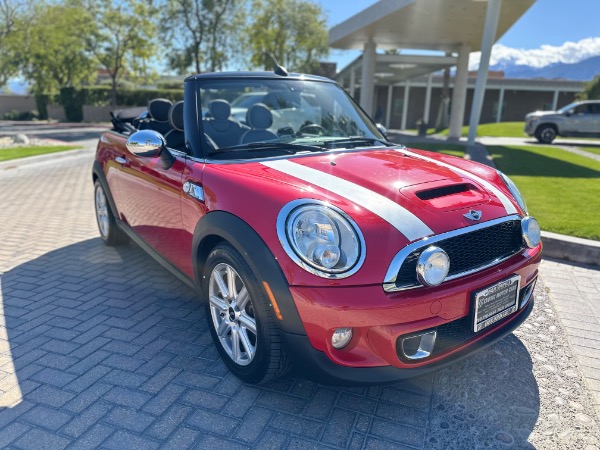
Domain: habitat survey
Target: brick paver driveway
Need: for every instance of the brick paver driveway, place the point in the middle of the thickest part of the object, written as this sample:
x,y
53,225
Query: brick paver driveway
x,y
103,347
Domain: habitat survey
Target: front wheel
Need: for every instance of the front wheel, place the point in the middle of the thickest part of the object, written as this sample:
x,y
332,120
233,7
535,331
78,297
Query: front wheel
x,y
240,319
545,134
109,232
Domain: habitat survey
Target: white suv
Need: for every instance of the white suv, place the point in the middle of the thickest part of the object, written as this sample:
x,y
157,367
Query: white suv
x,y
579,119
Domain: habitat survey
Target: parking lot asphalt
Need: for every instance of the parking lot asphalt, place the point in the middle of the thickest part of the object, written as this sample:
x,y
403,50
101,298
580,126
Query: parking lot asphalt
x,y
102,347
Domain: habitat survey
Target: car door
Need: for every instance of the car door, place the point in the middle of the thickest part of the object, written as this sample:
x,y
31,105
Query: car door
x,y
151,202
579,120
594,120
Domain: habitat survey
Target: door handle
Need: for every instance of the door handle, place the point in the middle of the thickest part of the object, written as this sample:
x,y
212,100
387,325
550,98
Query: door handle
x,y
121,160
193,190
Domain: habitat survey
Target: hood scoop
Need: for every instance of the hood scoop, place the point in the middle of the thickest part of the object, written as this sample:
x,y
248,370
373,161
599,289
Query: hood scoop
x,y
444,191
446,195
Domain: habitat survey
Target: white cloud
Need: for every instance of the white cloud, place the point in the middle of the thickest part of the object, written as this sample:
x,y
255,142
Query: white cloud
x,y
569,52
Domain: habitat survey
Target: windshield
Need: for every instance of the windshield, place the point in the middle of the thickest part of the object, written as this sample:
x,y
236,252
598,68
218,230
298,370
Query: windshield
x,y
570,106
266,113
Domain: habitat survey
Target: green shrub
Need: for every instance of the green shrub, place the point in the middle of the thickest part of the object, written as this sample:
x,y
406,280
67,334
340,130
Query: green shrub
x,y
20,115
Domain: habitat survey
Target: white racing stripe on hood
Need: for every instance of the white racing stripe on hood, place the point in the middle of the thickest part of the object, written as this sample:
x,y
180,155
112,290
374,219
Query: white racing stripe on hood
x,y
400,218
508,205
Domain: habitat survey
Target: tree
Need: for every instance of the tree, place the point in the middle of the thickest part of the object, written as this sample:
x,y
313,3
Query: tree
x,y
49,49
124,39
199,30
591,90
294,31
10,11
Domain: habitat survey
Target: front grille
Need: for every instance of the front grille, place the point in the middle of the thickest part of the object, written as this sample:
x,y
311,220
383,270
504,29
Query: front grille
x,y
458,332
469,251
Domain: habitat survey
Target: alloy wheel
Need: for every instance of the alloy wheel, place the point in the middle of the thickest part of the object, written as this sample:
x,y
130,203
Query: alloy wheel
x,y
102,213
232,314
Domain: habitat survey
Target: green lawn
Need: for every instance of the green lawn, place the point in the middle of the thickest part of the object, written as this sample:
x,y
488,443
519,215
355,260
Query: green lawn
x,y
22,152
562,189
501,129
448,149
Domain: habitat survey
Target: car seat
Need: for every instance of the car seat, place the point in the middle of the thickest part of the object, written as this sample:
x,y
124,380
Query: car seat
x,y
158,116
176,137
224,131
259,117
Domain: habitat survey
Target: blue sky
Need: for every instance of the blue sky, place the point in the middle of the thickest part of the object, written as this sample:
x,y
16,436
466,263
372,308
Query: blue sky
x,y
547,23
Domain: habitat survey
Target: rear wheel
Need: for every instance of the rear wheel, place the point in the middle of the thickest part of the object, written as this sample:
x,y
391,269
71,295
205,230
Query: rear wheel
x,y
109,232
545,134
240,319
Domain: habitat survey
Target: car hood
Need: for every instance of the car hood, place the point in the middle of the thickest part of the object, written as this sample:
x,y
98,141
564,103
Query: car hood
x,y
418,193
537,114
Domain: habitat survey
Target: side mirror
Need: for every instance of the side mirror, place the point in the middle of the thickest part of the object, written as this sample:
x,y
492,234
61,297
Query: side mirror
x,y
570,112
146,143
382,130
149,143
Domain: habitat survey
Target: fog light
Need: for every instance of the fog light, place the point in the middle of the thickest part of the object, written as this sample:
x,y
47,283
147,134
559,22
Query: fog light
x,y
433,266
341,337
532,234
420,346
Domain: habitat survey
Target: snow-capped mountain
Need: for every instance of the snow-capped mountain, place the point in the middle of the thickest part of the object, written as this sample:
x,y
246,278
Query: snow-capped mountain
x,y
581,71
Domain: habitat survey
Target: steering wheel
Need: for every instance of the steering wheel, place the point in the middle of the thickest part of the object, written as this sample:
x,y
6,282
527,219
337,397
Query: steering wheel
x,y
317,129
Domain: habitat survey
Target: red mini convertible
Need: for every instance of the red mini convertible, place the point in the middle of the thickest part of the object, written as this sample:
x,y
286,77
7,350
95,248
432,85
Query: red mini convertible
x,y
311,239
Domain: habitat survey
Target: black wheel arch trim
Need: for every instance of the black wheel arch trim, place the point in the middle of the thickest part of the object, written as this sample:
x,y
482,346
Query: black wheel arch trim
x,y
221,225
101,177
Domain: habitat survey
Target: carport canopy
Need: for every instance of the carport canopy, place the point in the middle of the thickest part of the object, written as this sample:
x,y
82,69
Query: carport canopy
x,y
447,26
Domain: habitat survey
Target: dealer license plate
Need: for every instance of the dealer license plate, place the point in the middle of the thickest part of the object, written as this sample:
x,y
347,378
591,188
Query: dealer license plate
x,y
496,302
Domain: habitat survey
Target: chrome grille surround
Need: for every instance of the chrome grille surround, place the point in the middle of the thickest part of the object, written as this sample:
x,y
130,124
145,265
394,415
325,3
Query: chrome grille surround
x,y
389,283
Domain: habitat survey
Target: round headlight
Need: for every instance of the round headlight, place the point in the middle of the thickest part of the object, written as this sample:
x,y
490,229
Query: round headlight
x,y
532,233
321,238
433,266
514,190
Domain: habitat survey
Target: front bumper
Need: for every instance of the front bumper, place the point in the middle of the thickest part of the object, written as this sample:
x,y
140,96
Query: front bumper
x,y
379,319
530,126
315,365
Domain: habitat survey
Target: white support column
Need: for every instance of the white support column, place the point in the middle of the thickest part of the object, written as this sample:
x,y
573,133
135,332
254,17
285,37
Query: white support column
x,y
388,106
500,103
555,100
459,93
367,81
352,81
405,103
489,36
427,107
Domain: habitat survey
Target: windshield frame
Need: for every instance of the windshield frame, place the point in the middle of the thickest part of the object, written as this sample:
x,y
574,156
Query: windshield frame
x,y
202,82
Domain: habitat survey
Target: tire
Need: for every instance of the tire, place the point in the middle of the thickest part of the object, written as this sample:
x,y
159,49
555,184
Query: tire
x,y
109,231
545,134
241,323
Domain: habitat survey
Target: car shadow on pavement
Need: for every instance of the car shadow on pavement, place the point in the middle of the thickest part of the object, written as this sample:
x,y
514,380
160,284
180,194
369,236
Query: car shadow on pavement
x,y
105,347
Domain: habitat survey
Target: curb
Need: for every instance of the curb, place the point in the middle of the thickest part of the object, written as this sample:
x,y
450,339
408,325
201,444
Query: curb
x,y
559,246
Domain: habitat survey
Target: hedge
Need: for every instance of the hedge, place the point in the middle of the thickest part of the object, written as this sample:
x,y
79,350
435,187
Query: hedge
x,y
73,99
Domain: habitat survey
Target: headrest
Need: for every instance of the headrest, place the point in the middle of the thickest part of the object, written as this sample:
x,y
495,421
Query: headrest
x,y
259,117
220,109
159,109
176,116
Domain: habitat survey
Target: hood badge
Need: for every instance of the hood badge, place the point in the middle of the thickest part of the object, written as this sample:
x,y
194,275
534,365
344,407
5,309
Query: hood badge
x,y
473,215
